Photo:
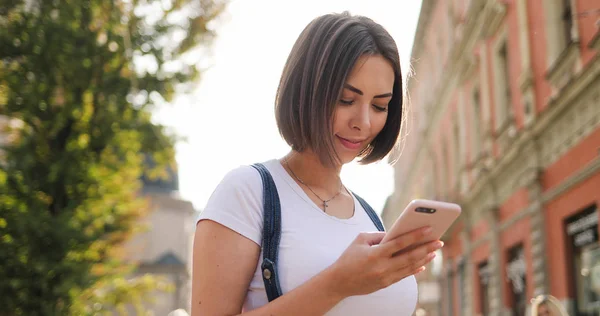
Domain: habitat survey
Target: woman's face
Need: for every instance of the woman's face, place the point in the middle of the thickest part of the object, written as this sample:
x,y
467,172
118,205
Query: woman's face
x,y
361,111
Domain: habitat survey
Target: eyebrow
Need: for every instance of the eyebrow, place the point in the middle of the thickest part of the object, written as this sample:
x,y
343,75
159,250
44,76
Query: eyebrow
x,y
354,89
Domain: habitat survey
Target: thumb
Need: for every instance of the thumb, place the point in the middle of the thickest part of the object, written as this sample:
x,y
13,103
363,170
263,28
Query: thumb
x,y
370,238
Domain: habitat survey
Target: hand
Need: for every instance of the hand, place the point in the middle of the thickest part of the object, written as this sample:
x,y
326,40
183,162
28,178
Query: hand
x,y
367,266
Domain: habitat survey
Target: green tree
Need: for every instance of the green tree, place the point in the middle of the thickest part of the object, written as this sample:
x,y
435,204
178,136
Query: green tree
x,y
78,81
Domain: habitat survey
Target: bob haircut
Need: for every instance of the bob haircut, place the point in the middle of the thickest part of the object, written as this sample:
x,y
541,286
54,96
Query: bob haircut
x,y
313,79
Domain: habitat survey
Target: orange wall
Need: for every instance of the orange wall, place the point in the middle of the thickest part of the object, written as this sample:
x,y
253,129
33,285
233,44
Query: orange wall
x,y
538,48
580,155
479,230
514,204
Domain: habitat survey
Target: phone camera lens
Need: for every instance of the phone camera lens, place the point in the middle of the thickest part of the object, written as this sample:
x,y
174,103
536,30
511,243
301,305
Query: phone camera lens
x,y
425,210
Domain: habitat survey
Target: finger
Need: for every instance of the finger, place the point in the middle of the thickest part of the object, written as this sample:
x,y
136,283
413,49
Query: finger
x,y
412,269
419,270
414,258
370,238
416,264
401,242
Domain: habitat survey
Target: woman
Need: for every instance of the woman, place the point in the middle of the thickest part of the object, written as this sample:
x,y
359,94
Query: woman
x,y
547,305
339,98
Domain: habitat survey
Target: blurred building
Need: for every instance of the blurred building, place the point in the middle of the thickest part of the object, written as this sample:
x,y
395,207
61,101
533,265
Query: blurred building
x,y
165,248
505,121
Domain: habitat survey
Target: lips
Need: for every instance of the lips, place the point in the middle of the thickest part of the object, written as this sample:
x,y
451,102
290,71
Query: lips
x,y
350,144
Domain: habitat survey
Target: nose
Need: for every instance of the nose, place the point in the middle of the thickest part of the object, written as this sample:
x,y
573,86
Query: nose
x,y
361,119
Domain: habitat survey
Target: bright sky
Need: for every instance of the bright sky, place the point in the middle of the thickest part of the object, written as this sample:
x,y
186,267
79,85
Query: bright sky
x,y
229,120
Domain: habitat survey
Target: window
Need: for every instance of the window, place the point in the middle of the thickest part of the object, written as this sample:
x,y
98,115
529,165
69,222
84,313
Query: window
x,y
476,123
528,109
430,178
462,283
446,170
457,148
561,32
436,174
582,232
505,73
567,19
449,296
516,270
484,272
502,85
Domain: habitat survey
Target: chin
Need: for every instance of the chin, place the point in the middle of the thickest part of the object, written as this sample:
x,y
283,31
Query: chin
x,y
346,157
347,160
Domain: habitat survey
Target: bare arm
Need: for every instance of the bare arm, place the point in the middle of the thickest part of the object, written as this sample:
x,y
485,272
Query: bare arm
x,y
225,262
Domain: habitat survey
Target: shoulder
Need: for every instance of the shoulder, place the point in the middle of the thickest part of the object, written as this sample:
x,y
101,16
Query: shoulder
x,y
241,175
241,185
237,203
249,176
242,178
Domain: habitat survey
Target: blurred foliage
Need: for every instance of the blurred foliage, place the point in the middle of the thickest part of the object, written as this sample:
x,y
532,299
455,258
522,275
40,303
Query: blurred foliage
x,y
78,80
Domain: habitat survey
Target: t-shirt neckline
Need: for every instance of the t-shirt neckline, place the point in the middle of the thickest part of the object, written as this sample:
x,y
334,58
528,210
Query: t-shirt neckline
x,y
280,170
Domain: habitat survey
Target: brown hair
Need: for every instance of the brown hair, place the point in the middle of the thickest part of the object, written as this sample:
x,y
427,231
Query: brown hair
x,y
314,76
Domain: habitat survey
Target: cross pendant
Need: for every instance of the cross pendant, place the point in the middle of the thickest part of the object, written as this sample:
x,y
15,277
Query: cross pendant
x,y
325,205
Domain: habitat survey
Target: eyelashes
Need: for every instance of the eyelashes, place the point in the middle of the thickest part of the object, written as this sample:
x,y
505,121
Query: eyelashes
x,y
376,107
379,108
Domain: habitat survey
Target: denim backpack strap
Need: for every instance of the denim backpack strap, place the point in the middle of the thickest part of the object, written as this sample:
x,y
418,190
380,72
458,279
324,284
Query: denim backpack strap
x,y
271,233
370,212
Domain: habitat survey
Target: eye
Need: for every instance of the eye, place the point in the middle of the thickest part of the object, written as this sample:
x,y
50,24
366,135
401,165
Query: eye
x,y
347,102
379,108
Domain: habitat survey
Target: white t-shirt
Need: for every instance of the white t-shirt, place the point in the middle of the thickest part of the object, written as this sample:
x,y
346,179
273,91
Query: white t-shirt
x,y
311,240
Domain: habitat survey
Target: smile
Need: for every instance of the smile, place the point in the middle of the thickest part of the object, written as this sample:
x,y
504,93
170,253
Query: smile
x,y
350,144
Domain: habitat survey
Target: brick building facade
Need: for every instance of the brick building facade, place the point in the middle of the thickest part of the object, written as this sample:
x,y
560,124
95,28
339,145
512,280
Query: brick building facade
x,y
505,121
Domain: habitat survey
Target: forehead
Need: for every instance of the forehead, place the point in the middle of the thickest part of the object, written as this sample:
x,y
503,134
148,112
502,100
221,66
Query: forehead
x,y
372,73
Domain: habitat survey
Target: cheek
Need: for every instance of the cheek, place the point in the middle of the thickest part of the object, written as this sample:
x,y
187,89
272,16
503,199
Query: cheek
x,y
378,123
340,118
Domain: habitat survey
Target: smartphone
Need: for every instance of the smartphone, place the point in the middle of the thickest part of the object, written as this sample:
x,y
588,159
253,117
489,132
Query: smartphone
x,y
420,213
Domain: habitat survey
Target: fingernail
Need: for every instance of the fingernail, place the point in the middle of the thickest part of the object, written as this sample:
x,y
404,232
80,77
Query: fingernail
x,y
439,245
431,256
427,231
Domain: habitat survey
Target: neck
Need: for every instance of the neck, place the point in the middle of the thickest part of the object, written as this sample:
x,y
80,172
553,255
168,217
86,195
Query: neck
x,y
308,167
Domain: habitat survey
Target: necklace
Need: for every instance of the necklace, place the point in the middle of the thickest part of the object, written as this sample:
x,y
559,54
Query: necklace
x,y
325,205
